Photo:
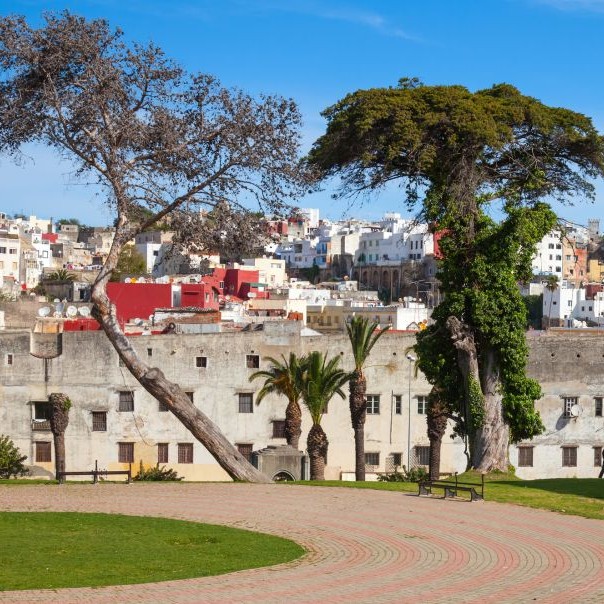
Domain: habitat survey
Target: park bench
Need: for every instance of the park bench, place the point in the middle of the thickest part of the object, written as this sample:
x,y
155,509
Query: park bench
x,y
96,473
452,487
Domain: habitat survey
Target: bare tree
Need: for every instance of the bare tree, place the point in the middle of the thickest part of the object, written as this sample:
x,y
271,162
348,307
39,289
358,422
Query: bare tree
x,y
154,138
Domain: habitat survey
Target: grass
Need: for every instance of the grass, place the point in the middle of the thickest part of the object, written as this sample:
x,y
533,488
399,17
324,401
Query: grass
x,y
44,550
576,496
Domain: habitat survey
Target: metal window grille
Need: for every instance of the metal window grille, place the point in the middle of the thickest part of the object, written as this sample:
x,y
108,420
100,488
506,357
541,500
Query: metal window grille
x,y
162,452
373,404
125,453
372,459
569,457
422,456
525,457
43,452
185,452
422,405
252,361
394,461
201,362
598,461
598,406
245,450
126,402
279,428
99,421
246,402
398,404
569,401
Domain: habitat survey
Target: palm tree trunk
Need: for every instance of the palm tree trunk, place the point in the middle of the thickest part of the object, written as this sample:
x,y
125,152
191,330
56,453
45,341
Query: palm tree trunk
x,y
436,419
317,445
293,424
59,453
155,382
358,414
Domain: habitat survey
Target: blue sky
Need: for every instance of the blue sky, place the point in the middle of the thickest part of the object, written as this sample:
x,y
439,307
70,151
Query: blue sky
x,y
317,51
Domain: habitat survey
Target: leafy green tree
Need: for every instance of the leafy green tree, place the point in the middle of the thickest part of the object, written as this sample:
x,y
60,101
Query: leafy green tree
x,y
284,378
130,262
11,460
464,153
151,136
362,335
318,383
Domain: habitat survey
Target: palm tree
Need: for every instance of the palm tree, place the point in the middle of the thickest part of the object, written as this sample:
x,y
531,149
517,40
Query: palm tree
x,y
363,336
283,378
551,285
59,419
319,382
436,418
61,275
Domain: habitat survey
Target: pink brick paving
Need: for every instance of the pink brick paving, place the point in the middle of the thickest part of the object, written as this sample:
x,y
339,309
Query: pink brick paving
x,y
363,546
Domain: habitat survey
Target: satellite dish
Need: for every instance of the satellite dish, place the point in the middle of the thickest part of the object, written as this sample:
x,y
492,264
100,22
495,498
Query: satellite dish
x,y
127,280
575,411
71,311
44,311
84,311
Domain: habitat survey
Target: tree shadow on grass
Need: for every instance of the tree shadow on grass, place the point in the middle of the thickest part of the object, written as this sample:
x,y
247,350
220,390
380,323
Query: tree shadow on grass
x,y
582,487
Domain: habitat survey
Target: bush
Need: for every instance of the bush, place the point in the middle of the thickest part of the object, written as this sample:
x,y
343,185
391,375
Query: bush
x,y
413,475
156,473
11,460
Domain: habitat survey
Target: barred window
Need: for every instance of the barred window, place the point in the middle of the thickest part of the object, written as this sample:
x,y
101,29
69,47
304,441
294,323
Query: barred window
x,y
279,428
422,405
246,450
372,459
162,452
422,456
252,361
398,404
126,400
373,404
598,461
201,362
125,452
246,402
43,451
99,421
185,452
525,457
598,406
568,402
569,457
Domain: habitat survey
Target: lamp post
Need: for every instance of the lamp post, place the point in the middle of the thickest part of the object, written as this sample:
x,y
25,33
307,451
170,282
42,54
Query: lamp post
x,y
411,360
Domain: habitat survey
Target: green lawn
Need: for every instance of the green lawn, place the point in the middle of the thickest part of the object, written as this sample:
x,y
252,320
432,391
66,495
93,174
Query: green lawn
x,y
51,550
578,496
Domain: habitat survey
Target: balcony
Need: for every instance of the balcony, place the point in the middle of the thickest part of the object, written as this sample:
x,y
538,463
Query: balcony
x,y
40,425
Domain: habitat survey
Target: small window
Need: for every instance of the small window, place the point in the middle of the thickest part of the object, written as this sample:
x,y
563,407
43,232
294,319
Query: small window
x,y
162,452
185,452
373,404
568,403
191,395
397,460
43,452
246,402
569,457
246,450
201,362
125,452
598,461
149,352
162,407
372,459
9,359
422,456
398,404
279,428
42,410
598,406
525,457
99,421
126,402
422,405
252,361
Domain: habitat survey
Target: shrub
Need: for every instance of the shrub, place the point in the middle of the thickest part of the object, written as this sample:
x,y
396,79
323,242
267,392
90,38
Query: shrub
x,y
413,475
156,473
11,460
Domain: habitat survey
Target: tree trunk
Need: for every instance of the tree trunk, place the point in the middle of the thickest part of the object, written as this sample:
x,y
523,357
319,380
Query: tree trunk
x,y
59,454
59,420
358,414
317,445
436,419
489,434
293,424
154,381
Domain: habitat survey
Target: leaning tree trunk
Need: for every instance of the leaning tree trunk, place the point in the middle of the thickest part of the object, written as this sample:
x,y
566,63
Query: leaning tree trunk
x,y
316,445
155,382
436,419
483,410
293,424
358,414
59,420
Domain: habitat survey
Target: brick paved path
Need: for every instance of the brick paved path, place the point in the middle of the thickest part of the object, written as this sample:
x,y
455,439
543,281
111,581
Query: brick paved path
x,y
363,546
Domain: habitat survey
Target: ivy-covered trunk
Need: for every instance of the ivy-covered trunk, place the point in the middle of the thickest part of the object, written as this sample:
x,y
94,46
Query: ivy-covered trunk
x,y
358,414
483,419
59,420
293,424
317,445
